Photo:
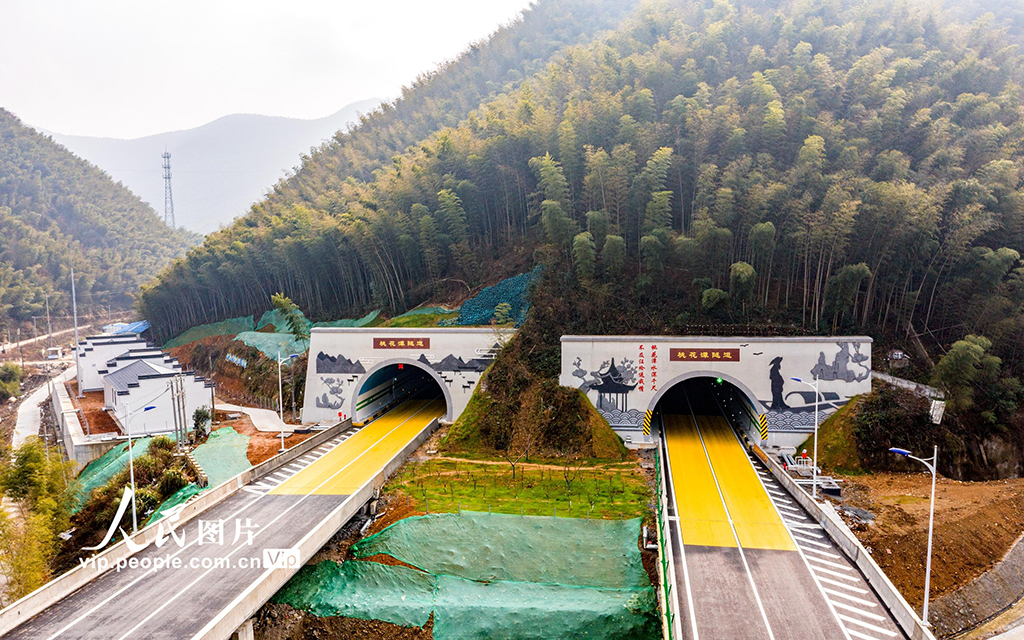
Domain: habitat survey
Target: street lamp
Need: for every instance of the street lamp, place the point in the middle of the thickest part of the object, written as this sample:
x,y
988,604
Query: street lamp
x,y
131,461
814,471
931,463
280,393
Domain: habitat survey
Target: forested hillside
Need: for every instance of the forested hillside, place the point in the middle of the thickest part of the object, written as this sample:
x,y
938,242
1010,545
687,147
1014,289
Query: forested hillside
x,y
57,210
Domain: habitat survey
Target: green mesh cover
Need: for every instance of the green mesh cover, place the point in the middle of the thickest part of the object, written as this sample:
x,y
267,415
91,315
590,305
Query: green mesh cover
x,y
428,310
522,611
479,310
573,551
98,472
492,576
350,322
365,590
276,318
222,456
270,344
181,495
227,327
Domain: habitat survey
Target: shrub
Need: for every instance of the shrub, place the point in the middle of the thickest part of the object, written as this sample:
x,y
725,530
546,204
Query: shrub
x,y
171,481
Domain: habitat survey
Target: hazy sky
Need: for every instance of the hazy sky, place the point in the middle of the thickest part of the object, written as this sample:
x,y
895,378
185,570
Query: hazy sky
x,y
128,68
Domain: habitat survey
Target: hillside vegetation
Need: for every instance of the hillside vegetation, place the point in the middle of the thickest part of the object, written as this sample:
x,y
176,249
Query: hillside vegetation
x,y
57,210
824,167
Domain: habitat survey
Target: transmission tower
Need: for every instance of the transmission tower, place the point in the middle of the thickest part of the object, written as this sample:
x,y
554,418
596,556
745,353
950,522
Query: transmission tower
x,y
168,198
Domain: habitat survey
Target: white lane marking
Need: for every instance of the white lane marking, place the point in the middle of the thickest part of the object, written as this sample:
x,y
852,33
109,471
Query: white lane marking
x,y
266,527
842,576
859,601
117,593
822,553
836,583
679,536
807,531
866,614
869,626
832,564
858,634
797,533
253,491
728,515
789,508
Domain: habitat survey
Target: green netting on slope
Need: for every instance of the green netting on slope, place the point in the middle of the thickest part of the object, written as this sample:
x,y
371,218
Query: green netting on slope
x,y
231,326
273,343
488,547
180,496
276,318
364,590
222,456
350,322
468,610
98,472
428,310
465,609
479,310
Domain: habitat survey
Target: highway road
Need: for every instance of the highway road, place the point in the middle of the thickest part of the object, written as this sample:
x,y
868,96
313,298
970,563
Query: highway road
x,y
176,602
749,562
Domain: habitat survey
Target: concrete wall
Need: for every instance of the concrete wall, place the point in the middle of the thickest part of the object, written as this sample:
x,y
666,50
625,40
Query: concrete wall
x,y
625,376
81,448
340,359
95,352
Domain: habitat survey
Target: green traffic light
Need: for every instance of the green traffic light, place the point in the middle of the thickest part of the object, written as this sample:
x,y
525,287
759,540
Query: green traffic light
x,y
718,380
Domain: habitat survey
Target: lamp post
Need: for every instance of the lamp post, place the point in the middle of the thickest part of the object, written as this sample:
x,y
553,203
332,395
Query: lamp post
x,y
131,461
931,463
814,471
280,393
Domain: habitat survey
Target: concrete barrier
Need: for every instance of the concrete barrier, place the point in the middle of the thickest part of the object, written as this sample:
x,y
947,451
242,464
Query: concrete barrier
x,y
82,449
69,582
825,515
270,581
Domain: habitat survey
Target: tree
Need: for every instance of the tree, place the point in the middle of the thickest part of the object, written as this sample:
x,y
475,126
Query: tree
x,y
964,367
584,255
298,326
712,299
742,279
200,419
613,257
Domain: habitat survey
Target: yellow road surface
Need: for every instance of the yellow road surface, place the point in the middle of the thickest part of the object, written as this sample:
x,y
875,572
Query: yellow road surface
x,y
349,465
758,525
702,515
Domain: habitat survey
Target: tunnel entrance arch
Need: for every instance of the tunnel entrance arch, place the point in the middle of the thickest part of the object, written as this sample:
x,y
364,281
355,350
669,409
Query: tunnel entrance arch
x,y
391,380
756,408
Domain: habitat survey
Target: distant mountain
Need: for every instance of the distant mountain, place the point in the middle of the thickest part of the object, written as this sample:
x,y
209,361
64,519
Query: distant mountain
x,y
57,210
219,169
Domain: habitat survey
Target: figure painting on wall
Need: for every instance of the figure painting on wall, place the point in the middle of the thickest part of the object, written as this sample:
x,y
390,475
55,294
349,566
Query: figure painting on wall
x,y
778,384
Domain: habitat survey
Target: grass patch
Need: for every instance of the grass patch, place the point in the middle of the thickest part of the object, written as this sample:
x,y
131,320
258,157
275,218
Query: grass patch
x,y
837,450
608,492
419,320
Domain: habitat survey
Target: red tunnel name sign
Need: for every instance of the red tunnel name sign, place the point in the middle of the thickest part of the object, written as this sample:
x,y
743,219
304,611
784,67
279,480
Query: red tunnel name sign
x,y
704,355
401,343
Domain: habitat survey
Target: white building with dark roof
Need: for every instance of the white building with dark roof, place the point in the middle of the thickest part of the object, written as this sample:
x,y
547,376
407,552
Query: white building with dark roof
x,y
94,352
147,382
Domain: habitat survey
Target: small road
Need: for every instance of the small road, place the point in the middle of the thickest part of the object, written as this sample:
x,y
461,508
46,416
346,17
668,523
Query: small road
x,y
262,419
29,417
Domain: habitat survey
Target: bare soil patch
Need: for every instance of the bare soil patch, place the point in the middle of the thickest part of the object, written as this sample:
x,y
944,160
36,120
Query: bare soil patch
x,y
281,622
976,524
262,445
97,420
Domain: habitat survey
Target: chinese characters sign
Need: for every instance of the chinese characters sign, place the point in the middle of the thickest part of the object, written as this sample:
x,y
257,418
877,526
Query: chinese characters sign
x,y
401,343
704,355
